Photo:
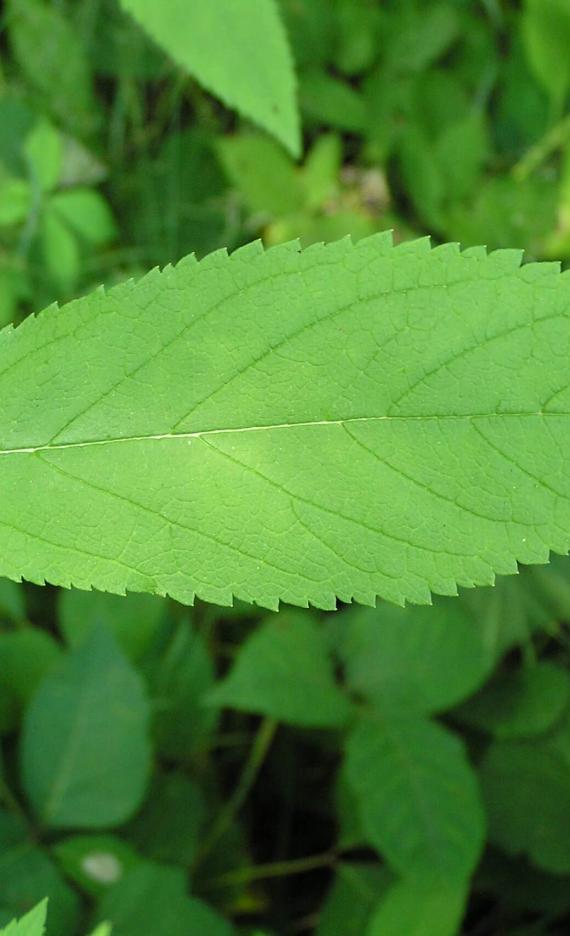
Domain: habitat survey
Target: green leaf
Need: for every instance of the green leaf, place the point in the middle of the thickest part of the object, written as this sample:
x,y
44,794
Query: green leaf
x,y
87,214
263,174
238,52
352,898
85,751
203,457
170,824
12,604
546,33
133,621
420,906
526,789
27,874
519,704
32,924
179,678
423,659
26,655
283,671
95,862
50,53
402,769
152,899
44,152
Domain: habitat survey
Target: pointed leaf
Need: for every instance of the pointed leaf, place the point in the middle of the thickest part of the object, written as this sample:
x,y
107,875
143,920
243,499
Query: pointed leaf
x,y
32,924
348,421
239,52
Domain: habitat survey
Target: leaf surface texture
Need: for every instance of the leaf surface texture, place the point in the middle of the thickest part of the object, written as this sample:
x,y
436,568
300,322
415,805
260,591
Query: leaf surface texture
x,y
341,422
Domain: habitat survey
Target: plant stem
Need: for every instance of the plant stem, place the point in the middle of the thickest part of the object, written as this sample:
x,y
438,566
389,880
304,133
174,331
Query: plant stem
x,y
551,141
273,870
257,755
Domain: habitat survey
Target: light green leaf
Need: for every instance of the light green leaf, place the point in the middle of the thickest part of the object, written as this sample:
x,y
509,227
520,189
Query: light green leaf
x,y
423,659
519,704
420,906
202,456
104,929
44,152
87,213
546,33
283,671
50,53
85,752
265,176
15,200
526,789
239,52
60,249
32,924
401,769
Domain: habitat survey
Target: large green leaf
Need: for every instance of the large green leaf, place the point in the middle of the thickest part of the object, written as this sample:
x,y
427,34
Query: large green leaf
x,y
417,796
345,421
238,51
85,752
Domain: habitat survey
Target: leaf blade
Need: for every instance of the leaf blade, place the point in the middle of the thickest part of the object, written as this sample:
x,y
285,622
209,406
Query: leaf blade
x,y
414,410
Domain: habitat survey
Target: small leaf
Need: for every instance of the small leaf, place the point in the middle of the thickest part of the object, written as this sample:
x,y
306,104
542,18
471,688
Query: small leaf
x,y
519,704
402,769
27,874
352,898
133,621
152,899
179,679
95,862
283,671
32,924
420,906
170,824
238,52
526,789
85,752
423,659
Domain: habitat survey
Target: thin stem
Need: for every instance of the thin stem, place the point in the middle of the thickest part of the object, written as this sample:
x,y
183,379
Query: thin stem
x,y
257,755
275,869
550,142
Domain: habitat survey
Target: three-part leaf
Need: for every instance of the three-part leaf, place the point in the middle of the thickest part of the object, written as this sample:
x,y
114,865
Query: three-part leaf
x,y
346,421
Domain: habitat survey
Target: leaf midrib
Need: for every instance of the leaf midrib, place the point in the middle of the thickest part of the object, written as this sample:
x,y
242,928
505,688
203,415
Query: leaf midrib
x,y
316,423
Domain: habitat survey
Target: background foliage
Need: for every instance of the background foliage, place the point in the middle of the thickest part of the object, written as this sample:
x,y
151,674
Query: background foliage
x,y
222,771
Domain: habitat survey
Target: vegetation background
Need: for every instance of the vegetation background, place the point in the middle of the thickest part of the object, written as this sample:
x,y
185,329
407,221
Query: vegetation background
x,y
211,771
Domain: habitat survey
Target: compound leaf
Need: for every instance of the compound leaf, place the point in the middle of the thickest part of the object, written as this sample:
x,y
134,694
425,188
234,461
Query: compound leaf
x,y
341,422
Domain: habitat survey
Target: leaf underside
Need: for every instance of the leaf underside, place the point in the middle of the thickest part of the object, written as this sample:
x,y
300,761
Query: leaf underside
x,y
348,421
